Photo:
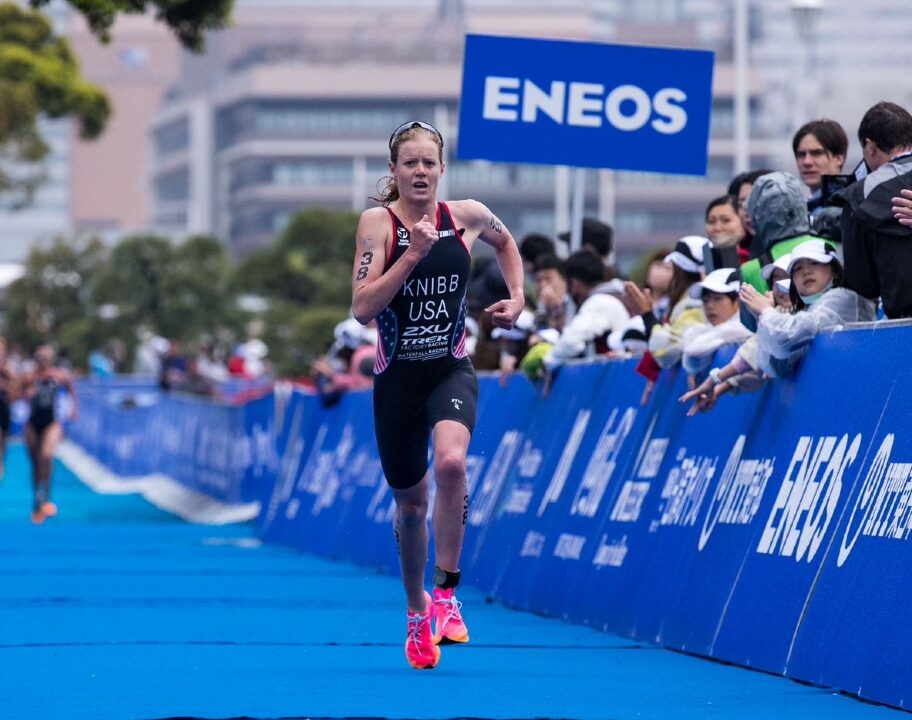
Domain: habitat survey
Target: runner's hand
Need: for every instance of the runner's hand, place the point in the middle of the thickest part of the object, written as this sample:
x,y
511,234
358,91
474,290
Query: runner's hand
x,y
506,312
424,235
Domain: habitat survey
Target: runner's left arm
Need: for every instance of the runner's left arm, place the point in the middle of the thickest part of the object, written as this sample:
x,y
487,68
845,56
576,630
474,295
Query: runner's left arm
x,y
495,234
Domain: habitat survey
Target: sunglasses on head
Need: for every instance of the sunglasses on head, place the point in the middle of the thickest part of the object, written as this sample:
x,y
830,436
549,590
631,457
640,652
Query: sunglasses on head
x,y
413,124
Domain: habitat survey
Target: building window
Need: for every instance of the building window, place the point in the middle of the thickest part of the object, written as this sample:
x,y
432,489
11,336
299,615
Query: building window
x,y
535,176
479,174
331,121
312,173
172,138
173,186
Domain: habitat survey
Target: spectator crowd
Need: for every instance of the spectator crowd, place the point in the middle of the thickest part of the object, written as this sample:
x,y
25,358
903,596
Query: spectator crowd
x,y
783,257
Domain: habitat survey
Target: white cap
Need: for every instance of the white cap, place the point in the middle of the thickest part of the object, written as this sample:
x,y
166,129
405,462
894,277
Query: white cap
x,y
723,281
688,253
816,250
350,333
783,286
254,349
782,263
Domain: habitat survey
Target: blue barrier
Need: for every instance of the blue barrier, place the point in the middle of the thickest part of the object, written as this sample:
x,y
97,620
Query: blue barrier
x,y
224,451
771,532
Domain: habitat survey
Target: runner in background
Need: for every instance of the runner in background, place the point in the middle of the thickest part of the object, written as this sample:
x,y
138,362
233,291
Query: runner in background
x,y
410,273
43,430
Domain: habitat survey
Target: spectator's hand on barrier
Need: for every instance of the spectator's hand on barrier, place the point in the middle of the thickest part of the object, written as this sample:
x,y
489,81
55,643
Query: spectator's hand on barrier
x,y
902,207
756,301
703,387
533,364
507,368
704,402
704,397
506,312
548,382
647,393
423,236
640,300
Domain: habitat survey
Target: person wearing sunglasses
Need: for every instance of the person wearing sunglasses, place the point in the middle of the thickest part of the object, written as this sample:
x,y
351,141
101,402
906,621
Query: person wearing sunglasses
x,y
411,271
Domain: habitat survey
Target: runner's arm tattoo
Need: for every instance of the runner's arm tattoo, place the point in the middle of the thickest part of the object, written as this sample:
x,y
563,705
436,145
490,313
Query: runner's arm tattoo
x,y
495,224
367,257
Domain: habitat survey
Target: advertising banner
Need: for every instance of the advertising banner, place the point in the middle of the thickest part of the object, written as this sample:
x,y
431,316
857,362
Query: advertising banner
x,y
585,104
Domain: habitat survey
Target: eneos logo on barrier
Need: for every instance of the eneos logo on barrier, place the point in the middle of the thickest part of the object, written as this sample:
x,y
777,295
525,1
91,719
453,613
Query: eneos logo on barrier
x,y
585,104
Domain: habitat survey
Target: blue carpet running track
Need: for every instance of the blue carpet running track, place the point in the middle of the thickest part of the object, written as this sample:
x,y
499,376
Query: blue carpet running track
x,y
116,610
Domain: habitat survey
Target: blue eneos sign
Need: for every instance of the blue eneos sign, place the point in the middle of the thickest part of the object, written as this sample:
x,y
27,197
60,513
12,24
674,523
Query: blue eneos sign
x,y
585,104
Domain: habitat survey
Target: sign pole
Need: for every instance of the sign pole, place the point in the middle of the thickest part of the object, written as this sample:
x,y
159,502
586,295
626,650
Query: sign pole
x,y
576,215
561,199
742,120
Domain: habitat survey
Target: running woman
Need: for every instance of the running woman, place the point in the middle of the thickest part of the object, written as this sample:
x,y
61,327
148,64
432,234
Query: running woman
x,y
43,430
7,388
410,274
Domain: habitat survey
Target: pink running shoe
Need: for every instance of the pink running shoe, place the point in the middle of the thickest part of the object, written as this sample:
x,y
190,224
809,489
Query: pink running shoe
x,y
420,649
450,626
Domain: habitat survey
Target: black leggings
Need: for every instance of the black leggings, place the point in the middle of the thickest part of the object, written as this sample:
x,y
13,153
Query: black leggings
x,y
5,417
407,405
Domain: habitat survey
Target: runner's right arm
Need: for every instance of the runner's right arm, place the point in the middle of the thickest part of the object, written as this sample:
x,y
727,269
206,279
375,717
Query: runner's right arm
x,y
373,289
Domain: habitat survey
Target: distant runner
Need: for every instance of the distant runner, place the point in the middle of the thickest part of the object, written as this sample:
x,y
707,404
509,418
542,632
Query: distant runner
x,y
43,430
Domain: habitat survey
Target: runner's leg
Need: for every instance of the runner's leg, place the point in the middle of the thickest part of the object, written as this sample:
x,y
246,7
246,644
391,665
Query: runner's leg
x,y
451,504
32,440
410,526
49,441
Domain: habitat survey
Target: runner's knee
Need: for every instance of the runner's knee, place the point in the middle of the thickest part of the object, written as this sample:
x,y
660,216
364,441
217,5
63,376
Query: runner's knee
x,y
412,511
449,468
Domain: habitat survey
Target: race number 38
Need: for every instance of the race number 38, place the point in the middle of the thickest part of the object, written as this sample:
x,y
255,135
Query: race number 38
x,y
366,259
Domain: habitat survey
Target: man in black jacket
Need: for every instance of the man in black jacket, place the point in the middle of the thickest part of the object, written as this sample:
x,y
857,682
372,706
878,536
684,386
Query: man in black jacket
x,y
877,248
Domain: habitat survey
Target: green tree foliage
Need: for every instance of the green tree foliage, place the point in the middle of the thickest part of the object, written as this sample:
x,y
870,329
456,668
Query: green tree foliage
x,y
297,336
53,293
180,291
306,276
309,263
188,19
39,75
197,300
132,279
80,296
